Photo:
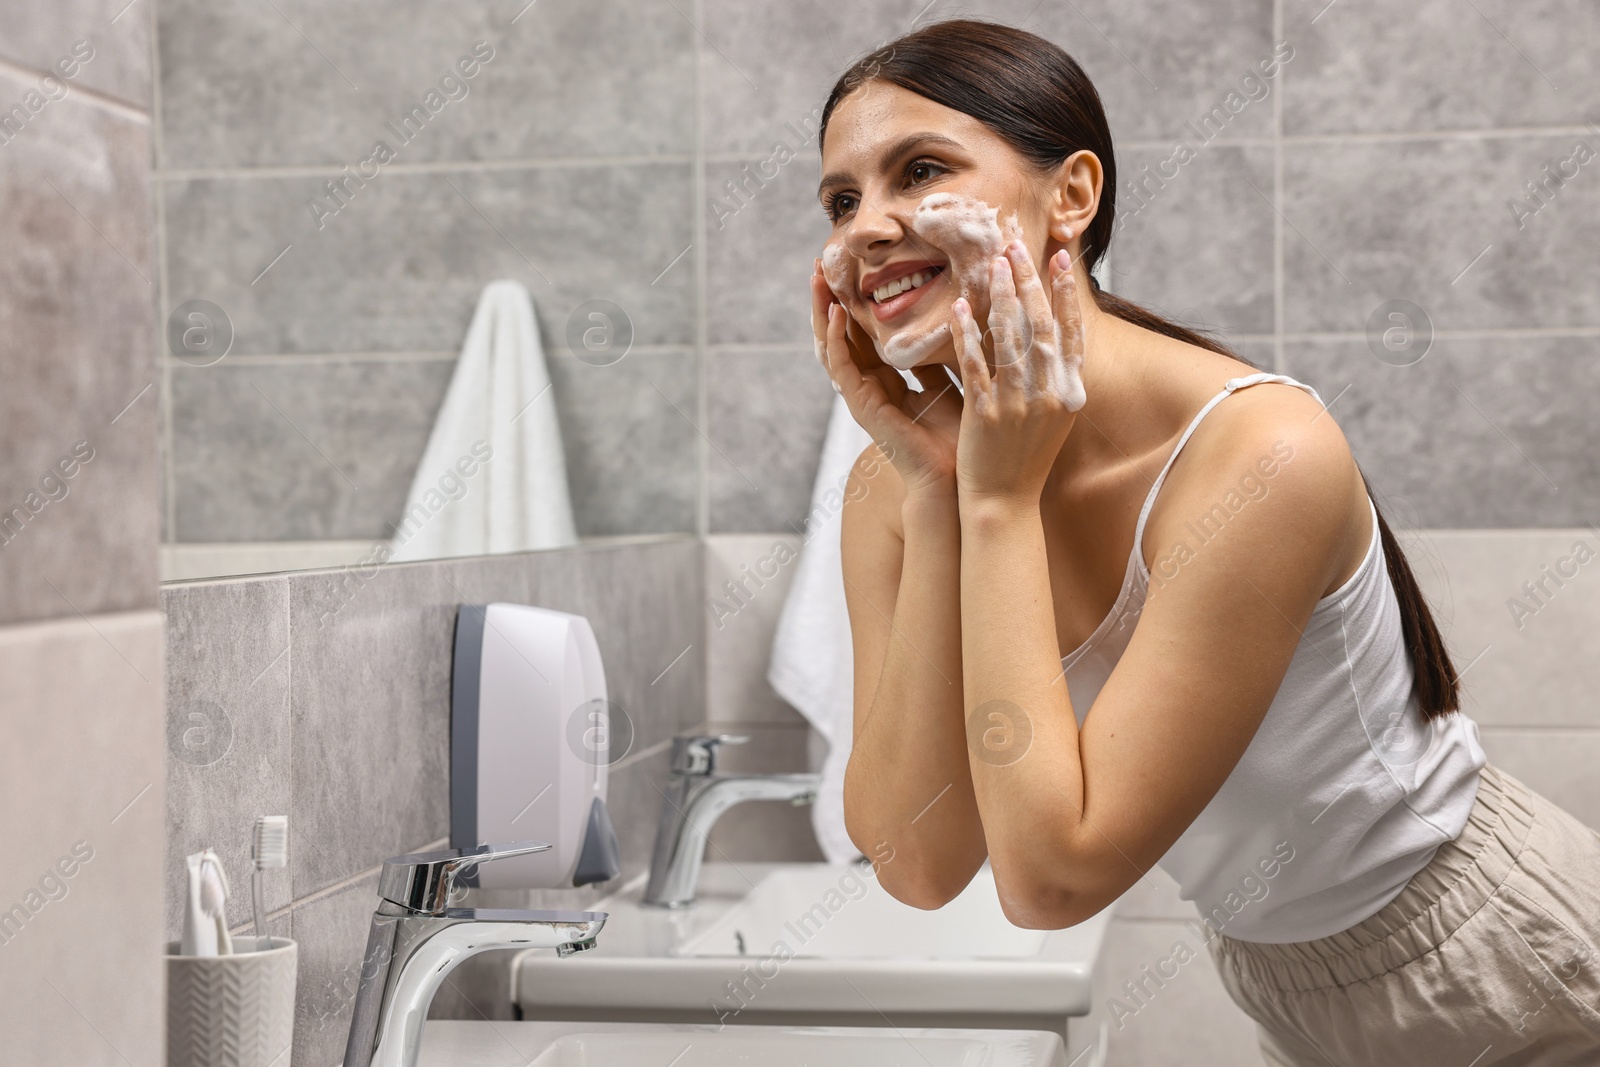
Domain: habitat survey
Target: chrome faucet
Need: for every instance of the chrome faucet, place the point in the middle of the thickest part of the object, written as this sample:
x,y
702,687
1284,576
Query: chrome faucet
x,y
695,797
417,939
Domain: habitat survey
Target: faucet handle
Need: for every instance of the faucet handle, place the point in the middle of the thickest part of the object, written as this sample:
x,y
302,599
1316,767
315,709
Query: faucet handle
x,y
698,754
422,882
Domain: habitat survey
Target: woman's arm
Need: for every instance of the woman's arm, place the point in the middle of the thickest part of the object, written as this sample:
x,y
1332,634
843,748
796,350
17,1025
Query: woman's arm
x,y
907,788
907,784
1073,818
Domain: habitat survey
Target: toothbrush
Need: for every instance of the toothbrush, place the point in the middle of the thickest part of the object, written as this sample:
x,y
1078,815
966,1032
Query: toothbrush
x,y
269,848
214,899
199,928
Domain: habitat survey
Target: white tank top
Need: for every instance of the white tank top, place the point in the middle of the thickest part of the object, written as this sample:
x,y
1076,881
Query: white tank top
x,y
1344,792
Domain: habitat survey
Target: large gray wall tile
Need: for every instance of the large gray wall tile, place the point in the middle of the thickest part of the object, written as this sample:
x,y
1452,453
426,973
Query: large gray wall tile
x,y
81,769
631,439
400,267
1380,221
1557,764
771,64
75,314
227,732
250,85
1443,66
331,939
1189,1019
300,450
768,412
739,629
1478,433
759,257
1197,246
1156,65
1159,65
1523,658
370,718
40,35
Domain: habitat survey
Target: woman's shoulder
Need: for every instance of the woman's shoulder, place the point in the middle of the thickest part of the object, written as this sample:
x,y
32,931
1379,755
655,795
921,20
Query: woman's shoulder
x,y
1273,450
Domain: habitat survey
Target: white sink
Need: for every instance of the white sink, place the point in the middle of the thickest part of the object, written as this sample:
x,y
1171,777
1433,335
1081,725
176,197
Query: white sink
x,y
449,1043
834,913
850,955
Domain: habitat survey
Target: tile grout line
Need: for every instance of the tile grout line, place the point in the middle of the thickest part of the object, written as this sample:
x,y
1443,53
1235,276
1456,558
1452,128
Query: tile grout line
x,y
341,885
442,166
699,158
799,348
1278,286
158,191
700,233
273,359
1345,137
324,170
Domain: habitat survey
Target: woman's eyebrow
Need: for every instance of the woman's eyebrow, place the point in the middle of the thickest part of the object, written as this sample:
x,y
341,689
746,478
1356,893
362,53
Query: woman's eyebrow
x,y
894,152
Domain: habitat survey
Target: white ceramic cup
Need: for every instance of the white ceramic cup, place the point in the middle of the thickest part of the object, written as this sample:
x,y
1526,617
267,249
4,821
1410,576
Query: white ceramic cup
x,y
231,1011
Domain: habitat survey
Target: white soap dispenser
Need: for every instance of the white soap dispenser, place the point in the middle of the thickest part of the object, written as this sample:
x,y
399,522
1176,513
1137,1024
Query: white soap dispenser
x,y
529,746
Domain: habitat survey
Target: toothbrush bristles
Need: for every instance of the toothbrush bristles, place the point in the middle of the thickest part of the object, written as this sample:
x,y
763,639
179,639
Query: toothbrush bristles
x,y
271,845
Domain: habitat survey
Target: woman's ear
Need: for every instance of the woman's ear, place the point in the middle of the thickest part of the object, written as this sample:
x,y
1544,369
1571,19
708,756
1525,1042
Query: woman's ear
x,y
1076,196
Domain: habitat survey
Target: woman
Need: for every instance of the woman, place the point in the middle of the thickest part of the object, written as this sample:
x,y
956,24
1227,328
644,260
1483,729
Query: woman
x,y
1117,600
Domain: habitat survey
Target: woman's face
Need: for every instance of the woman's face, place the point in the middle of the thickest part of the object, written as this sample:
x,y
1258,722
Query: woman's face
x,y
923,197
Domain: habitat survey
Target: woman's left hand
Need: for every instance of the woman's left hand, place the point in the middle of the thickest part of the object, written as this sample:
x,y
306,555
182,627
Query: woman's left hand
x,y
1014,421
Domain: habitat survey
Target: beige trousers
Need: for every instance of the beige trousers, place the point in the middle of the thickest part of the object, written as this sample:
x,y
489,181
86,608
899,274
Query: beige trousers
x,y
1490,957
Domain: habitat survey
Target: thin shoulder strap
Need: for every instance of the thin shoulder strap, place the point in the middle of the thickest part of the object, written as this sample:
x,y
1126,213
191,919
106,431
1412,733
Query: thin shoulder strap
x,y
1231,385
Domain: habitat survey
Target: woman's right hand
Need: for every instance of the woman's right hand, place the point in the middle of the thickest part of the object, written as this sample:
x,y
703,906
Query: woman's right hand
x,y
915,431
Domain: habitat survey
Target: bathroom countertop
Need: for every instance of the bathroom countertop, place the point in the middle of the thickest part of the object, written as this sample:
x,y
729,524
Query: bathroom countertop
x,y
465,1043
638,965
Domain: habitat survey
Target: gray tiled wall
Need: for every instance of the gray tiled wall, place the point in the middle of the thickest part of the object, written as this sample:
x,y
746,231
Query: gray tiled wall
x,y
565,161
326,697
594,150
81,782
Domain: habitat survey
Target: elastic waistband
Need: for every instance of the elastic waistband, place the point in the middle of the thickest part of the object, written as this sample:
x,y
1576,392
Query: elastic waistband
x,y
1460,878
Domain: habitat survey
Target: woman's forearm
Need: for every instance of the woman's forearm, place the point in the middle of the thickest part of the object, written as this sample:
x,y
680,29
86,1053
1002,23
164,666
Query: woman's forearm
x,y
908,782
1026,773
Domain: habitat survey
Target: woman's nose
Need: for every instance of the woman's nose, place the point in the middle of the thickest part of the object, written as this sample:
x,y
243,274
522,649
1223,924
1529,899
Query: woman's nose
x,y
876,221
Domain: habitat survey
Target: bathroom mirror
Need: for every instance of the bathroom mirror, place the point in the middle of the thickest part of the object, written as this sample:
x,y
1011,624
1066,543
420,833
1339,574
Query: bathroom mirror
x,y
336,188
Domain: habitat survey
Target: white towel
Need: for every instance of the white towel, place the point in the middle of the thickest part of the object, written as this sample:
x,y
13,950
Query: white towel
x,y
811,663
499,405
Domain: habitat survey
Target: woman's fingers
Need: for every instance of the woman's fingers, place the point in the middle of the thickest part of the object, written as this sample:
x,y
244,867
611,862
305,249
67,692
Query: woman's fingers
x,y
874,403
1036,306
975,378
1069,324
1008,325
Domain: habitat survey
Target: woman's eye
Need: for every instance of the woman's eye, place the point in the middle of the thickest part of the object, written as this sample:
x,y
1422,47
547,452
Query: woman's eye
x,y
922,171
839,204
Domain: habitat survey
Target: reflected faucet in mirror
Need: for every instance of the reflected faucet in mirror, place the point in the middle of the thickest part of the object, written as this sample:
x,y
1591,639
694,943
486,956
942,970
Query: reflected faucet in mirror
x,y
695,798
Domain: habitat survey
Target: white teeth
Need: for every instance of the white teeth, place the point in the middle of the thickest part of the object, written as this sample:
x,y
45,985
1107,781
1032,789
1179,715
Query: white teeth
x,y
895,288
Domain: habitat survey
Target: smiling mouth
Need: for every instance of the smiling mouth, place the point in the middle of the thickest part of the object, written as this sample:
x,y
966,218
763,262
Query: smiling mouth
x,y
892,298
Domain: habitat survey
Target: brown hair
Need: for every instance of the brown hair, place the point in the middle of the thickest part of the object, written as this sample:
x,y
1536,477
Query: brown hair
x,y
1035,96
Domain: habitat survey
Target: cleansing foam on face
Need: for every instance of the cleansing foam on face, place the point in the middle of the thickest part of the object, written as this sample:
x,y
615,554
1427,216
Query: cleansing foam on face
x,y
965,229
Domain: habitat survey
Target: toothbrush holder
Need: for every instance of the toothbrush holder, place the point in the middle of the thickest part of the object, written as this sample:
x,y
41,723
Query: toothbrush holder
x,y
231,1011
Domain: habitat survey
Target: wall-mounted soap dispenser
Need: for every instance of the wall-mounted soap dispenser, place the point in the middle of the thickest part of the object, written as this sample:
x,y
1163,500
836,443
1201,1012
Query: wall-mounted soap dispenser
x,y
528,746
